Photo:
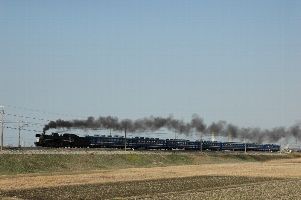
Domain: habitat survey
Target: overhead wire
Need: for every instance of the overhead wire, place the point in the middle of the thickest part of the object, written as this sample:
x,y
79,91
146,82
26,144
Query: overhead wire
x,y
23,122
27,117
42,111
32,119
24,129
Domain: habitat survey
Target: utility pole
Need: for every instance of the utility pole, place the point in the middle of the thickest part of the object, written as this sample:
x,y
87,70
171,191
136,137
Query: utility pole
x,y
2,124
245,145
19,135
201,142
124,139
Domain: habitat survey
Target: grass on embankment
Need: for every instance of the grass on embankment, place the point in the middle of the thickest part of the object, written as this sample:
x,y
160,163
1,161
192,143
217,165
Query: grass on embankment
x,y
36,163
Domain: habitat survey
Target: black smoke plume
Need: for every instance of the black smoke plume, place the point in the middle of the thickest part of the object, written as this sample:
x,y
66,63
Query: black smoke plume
x,y
197,124
113,123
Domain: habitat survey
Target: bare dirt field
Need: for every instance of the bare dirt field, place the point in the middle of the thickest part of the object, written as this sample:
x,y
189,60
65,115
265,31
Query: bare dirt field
x,y
272,189
275,179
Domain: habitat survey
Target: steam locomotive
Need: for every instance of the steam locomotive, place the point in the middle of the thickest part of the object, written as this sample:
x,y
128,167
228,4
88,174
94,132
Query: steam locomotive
x,y
57,140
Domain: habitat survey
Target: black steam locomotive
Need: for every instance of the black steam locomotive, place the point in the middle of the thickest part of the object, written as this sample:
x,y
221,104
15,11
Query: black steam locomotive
x,y
118,142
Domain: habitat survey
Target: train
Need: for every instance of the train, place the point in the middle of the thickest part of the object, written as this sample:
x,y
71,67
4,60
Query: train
x,y
67,140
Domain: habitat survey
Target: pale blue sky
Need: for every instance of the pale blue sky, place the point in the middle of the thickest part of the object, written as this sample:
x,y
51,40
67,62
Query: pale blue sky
x,y
234,60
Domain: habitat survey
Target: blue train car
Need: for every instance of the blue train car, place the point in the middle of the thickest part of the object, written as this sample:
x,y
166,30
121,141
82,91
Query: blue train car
x,y
97,141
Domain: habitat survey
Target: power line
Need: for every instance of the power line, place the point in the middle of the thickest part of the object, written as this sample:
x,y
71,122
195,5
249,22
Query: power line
x,y
27,117
31,109
24,129
16,128
24,122
14,120
42,111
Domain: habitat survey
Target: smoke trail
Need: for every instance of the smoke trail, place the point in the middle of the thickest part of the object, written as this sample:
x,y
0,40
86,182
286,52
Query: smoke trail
x,y
197,123
169,123
217,127
178,126
296,131
277,134
144,124
232,132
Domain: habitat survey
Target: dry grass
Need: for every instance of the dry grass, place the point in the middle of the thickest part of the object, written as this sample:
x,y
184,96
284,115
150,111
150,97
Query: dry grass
x,y
275,179
289,168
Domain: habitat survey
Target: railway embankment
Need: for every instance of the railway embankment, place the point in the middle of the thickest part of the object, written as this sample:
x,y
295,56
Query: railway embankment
x,y
66,161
